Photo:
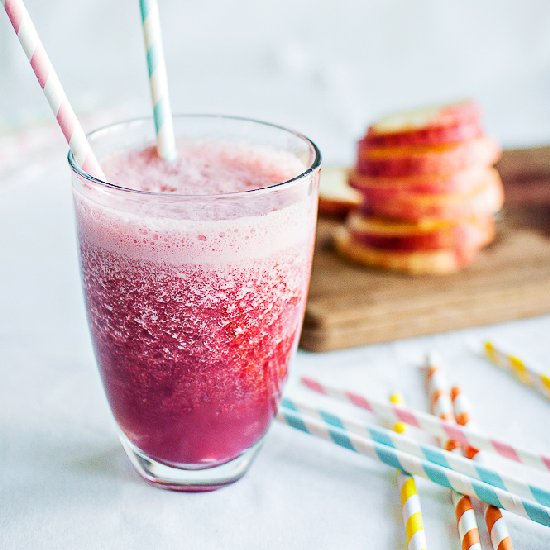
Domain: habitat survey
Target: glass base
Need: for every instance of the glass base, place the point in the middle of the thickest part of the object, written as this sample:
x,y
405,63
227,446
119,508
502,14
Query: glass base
x,y
189,478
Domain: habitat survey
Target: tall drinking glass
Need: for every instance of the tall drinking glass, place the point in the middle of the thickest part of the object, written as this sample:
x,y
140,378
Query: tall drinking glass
x,y
195,301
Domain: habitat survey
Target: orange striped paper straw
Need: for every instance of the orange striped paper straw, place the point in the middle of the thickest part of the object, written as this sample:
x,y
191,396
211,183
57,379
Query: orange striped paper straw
x,y
441,406
498,530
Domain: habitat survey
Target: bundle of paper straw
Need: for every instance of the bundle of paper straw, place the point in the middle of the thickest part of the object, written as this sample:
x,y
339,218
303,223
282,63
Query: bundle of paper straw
x,y
431,454
464,435
439,466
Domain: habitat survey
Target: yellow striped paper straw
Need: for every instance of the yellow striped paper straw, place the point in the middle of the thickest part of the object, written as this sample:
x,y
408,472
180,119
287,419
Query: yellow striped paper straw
x,y
441,406
496,524
513,364
158,81
410,501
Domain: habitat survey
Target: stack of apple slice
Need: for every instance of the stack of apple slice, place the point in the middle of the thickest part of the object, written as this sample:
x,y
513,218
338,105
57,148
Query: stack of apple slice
x,y
428,190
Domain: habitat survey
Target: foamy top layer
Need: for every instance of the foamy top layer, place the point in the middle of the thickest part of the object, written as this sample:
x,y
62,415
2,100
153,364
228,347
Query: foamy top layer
x,y
209,231
203,168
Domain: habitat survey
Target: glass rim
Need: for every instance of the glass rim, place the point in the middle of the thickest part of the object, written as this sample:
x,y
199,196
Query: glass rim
x,y
313,166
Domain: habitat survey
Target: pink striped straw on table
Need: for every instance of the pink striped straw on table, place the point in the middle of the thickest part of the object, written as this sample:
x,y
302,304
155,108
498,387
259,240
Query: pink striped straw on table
x,y
441,406
51,86
496,524
432,425
158,80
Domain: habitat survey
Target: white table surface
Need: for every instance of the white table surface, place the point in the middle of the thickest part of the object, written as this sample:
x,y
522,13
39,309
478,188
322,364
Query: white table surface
x,y
65,482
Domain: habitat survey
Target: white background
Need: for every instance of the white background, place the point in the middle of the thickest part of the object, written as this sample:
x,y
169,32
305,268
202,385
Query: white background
x,y
325,68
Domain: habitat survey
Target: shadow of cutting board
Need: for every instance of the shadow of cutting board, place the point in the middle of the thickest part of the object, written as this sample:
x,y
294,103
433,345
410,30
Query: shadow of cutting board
x,y
349,305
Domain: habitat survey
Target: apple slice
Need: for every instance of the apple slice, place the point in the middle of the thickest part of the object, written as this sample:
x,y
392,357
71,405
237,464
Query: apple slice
x,y
430,262
382,234
432,184
432,125
336,197
431,116
440,159
484,199
460,131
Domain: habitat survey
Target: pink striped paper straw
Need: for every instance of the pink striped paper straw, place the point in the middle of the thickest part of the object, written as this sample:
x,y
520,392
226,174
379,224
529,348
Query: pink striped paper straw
x,y
51,86
432,425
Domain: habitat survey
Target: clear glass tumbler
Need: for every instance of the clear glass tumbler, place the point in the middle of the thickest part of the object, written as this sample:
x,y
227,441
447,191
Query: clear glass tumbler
x,y
195,302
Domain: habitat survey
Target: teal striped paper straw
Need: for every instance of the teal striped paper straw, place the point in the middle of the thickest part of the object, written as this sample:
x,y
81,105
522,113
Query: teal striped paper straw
x,y
329,426
432,454
158,81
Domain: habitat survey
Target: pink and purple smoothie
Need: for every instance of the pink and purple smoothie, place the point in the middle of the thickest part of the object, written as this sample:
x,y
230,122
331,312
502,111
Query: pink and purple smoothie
x,y
195,310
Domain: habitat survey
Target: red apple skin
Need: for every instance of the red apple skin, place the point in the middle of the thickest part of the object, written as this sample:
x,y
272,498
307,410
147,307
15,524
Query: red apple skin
x,y
431,125
429,116
463,235
415,186
486,199
410,161
460,111
430,135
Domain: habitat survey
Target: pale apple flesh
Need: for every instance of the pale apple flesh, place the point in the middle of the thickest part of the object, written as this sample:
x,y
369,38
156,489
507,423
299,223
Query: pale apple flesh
x,y
425,262
336,197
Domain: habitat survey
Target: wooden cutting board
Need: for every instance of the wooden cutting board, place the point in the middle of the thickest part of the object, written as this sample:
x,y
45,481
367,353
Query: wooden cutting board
x,y
350,305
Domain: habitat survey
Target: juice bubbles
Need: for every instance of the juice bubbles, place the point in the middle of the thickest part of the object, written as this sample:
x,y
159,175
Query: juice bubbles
x,y
195,302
